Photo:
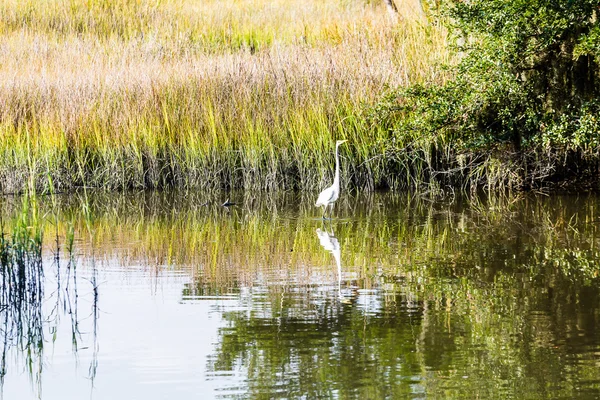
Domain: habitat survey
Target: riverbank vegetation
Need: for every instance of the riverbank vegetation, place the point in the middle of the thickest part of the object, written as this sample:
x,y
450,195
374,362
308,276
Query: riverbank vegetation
x,y
522,107
119,94
143,94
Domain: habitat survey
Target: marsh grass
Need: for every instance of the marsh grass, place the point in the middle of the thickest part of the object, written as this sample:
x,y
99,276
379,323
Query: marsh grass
x,y
142,94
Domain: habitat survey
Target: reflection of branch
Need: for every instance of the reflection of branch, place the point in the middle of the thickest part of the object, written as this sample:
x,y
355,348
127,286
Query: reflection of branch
x,y
94,363
4,333
71,305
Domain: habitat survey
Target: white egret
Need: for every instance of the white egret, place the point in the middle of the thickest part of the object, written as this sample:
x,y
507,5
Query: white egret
x,y
331,194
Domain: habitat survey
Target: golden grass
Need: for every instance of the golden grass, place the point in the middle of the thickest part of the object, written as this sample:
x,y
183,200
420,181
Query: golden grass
x,y
139,93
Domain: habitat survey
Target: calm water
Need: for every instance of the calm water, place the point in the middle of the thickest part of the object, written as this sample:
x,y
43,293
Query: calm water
x,y
163,297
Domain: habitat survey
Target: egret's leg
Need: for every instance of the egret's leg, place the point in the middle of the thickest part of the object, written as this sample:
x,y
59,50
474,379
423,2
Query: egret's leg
x,y
331,211
324,210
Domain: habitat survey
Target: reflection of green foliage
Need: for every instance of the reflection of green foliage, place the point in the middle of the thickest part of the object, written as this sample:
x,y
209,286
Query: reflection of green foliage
x,y
332,351
494,297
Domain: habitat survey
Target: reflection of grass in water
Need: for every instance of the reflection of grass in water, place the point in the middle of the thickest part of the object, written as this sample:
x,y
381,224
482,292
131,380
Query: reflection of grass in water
x,y
380,235
497,302
383,239
25,325
511,278
21,289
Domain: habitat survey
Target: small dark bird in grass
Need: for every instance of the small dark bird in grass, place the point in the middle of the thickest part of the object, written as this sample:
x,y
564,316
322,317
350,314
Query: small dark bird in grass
x,y
227,203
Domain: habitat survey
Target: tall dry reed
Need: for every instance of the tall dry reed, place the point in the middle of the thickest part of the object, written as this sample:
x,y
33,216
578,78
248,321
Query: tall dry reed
x,y
123,93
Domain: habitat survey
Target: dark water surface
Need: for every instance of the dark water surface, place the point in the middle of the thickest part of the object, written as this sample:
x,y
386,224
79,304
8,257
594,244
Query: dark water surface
x,y
162,296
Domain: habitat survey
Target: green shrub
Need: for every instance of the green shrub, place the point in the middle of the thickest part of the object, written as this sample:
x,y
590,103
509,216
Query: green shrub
x,y
524,94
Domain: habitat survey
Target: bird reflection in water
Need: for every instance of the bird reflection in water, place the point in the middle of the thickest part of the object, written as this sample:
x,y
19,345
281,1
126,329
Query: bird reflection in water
x,y
331,244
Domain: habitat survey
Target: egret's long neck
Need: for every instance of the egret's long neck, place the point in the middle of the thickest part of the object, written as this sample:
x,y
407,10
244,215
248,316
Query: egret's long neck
x,y
336,180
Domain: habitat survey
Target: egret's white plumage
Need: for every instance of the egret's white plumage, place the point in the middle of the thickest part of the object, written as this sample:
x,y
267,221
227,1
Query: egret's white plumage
x,y
331,194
